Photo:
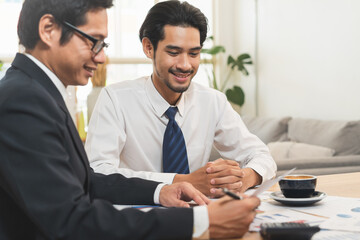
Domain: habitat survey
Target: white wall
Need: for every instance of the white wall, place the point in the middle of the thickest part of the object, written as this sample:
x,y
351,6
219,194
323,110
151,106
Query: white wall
x,y
308,52
239,39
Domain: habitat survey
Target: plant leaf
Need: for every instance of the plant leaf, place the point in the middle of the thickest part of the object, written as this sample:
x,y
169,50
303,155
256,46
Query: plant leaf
x,y
240,66
239,62
244,71
214,50
243,56
230,60
236,95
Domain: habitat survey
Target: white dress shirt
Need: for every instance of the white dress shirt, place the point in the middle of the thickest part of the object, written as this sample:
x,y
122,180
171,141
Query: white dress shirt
x,y
126,129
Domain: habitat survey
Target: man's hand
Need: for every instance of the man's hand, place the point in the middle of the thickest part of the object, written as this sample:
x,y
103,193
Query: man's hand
x,y
176,195
224,177
220,174
224,174
199,179
250,179
229,218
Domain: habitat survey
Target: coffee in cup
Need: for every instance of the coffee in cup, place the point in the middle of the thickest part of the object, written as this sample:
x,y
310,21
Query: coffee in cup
x,y
298,186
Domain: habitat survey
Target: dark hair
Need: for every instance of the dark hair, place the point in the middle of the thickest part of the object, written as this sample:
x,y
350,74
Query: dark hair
x,y
172,13
72,11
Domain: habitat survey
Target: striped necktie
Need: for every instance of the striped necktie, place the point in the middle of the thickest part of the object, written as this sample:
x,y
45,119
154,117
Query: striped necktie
x,y
174,149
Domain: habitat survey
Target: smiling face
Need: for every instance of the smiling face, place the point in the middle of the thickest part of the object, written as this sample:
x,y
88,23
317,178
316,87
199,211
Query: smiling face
x,y
74,62
175,61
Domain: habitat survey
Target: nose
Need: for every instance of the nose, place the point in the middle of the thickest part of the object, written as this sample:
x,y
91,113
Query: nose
x,y
100,58
183,62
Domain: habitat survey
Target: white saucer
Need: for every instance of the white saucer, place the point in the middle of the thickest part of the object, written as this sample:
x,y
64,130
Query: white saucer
x,y
317,196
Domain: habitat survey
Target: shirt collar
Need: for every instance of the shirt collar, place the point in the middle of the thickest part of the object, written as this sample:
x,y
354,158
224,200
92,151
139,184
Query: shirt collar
x,y
58,84
159,103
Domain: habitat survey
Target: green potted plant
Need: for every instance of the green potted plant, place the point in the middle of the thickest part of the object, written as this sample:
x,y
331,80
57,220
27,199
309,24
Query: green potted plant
x,y
235,94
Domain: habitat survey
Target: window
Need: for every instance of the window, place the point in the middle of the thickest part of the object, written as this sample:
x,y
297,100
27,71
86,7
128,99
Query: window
x,y
9,14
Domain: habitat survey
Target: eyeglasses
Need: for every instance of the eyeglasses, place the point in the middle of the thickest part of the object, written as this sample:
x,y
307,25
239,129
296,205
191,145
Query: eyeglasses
x,y
98,45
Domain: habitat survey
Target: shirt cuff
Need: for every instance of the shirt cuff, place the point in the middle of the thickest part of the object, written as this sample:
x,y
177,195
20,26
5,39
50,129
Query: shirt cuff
x,y
266,172
157,193
201,222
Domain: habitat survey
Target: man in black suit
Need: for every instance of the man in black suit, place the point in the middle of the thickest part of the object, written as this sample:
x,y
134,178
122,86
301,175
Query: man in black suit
x,y
47,189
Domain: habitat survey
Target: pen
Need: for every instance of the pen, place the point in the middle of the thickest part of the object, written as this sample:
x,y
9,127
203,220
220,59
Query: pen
x,y
231,194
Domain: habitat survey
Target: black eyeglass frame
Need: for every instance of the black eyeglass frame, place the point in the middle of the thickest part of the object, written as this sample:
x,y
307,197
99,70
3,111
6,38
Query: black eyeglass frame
x,y
98,45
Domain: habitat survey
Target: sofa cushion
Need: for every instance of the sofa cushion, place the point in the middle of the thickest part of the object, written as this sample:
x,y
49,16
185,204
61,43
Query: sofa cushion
x,y
320,166
268,129
342,136
285,150
319,162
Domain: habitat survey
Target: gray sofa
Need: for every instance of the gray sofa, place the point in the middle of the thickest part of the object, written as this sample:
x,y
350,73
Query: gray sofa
x,y
313,146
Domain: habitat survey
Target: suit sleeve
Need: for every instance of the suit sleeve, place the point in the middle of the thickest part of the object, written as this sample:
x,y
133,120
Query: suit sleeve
x,y
121,190
37,174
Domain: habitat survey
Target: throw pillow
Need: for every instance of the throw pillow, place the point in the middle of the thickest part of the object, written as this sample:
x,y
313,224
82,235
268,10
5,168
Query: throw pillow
x,y
342,136
268,129
284,150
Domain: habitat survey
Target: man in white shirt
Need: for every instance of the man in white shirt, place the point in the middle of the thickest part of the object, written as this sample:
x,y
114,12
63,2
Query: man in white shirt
x,y
47,189
126,130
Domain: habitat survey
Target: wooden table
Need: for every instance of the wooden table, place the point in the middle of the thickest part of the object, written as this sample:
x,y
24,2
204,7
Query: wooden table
x,y
344,185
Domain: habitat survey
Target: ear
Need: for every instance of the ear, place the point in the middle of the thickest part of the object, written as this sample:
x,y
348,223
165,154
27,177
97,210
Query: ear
x,y
148,47
49,30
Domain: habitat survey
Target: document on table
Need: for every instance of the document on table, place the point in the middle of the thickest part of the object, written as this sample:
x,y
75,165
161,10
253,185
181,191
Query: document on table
x,y
336,235
144,208
345,215
271,211
338,217
283,215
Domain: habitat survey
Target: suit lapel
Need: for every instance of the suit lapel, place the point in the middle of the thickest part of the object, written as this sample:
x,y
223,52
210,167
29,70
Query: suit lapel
x,y
30,68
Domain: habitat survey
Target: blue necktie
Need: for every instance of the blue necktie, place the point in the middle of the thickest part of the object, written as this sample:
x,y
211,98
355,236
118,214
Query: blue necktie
x,y
174,149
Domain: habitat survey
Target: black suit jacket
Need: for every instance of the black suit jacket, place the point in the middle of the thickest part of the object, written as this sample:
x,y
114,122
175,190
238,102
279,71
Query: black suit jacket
x,y
48,190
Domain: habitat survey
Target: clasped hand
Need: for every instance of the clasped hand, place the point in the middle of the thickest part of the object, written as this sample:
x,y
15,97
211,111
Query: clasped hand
x,y
221,173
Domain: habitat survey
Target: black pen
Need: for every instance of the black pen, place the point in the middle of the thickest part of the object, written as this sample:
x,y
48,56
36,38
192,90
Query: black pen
x,y
231,194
